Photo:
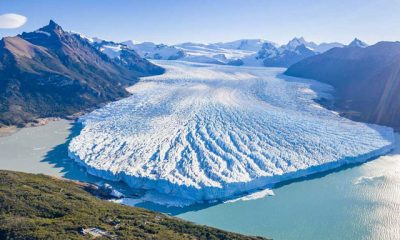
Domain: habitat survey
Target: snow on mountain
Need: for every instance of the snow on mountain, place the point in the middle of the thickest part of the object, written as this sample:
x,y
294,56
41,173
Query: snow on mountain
x,y
296,42
284,56
204,132
230,50
155,51
242,44
89,39
294,51
318,48
247,52
287,57
217,53
112,50
357,43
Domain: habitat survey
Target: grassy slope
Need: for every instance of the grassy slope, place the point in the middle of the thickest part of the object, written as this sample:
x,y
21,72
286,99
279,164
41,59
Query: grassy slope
x,y
41,207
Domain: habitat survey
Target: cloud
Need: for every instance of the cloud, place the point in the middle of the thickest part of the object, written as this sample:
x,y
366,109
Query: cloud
x,y
12,20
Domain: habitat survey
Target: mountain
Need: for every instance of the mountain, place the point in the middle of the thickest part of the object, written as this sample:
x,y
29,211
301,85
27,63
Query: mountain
x,y
220,53
156,51
43,207
242,44
297,49
296,42
215,53
126,57
323,47
53,73
272,56
247,52
317,48
366,79
357,43
287,56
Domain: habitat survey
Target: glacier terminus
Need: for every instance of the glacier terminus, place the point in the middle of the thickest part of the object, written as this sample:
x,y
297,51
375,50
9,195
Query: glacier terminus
x,y
204,132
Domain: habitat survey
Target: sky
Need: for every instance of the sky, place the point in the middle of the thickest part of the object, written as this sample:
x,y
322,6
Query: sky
x,y
205,21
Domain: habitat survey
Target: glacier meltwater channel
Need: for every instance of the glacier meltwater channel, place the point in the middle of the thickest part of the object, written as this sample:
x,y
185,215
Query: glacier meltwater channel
x,y
205,132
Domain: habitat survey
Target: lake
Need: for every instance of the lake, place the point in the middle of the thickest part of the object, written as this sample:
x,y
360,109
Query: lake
x,y
359,202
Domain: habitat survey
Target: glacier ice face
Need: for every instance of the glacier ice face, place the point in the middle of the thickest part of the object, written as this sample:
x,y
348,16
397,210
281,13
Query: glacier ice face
x,y
206,132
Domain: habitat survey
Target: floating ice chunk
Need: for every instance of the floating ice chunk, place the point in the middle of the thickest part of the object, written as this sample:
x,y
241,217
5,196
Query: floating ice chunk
x,y
127,201
253,196
157,198
368,180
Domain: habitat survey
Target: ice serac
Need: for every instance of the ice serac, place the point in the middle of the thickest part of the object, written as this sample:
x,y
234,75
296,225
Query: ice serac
x,y
205,132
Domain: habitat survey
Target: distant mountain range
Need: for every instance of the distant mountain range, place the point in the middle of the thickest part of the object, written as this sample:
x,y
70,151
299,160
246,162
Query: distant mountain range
x,y
366,79
247,52
53,73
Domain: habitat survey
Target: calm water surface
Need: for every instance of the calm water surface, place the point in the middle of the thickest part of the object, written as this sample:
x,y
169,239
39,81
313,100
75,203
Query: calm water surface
x,y
361,202
356,203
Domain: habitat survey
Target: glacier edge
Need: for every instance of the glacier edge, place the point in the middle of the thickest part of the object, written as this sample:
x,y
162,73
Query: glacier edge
x,y
203,132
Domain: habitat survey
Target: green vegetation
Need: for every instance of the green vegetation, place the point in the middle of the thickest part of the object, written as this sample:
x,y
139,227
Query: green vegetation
x,y
42,207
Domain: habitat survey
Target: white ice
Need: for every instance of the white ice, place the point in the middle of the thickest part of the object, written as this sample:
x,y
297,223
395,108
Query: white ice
x,y
204,132
367,180
253,196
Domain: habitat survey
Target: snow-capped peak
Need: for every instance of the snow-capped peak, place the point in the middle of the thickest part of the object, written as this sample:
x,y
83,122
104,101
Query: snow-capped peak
x,y
89,39
130,43
241,44
295,42
318,48
155,51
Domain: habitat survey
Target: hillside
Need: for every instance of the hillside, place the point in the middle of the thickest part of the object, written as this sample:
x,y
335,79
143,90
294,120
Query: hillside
x,y
54,73
42,207
366,80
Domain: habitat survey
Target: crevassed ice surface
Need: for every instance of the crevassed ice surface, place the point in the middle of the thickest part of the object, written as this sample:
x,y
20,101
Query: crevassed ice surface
x,y
207,131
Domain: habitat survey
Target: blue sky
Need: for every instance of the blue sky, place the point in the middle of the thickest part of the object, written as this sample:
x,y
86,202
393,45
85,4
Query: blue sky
x,y
169,21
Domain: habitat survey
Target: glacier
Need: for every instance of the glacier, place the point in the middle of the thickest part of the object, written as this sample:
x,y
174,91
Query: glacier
x,y
204,132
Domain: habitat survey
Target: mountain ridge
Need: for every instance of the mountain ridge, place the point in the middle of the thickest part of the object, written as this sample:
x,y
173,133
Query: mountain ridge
x,y
366,80
53,73
245,52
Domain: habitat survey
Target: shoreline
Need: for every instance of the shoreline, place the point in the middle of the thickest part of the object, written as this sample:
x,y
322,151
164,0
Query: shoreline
x,y
10,130
7,131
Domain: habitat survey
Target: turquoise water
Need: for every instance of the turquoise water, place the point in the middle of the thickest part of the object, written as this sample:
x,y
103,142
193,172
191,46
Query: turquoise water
x,y
361,202
44,149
